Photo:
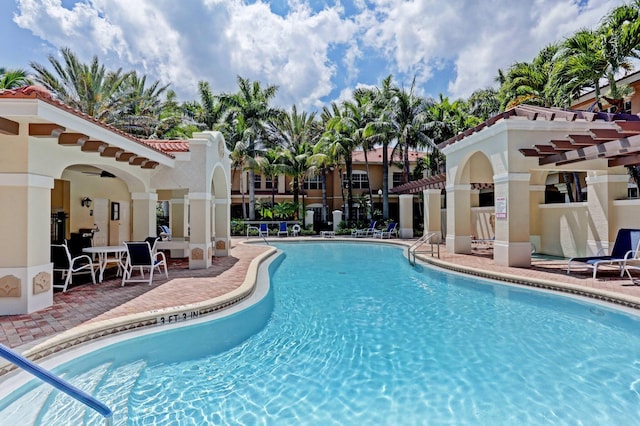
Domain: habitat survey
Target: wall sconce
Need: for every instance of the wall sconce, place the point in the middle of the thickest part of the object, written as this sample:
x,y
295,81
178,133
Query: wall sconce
x,y
86,202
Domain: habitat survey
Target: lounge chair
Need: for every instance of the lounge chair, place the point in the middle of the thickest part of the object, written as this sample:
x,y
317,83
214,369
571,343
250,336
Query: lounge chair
x,y
357,233
387,233
632,261
69,266
283,229
139,255
164,233
262,230
626,243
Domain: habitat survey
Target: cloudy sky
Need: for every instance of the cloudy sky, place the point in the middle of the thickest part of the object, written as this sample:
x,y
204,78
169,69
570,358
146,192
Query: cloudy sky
x,y
316,51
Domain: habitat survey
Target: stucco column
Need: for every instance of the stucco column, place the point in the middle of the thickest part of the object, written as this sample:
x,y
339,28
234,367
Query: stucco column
x,y
178,217
25,265
459,218
144,215
602,190
406,215
512,246
432,212
536,199
222,226
200,248
474,200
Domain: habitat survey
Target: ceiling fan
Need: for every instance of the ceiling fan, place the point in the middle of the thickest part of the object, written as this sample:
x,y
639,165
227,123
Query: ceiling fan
x,y
101,173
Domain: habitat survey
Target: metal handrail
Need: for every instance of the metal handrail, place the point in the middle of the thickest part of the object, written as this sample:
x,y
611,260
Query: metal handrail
x,y
426,238
57,382
259,233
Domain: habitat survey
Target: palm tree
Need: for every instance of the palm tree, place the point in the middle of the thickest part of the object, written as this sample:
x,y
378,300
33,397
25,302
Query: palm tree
x,y
238,157
13,78
361,110
408,122
530,82
89,88
340,131
294,134
141,107
250,105
380,131
320,162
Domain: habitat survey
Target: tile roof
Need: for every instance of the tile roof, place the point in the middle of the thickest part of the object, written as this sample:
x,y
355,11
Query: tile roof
x,y
375,155
42,94
611,141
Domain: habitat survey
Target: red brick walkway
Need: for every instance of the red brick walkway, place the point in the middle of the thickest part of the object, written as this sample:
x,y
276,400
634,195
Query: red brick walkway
x,y
88,303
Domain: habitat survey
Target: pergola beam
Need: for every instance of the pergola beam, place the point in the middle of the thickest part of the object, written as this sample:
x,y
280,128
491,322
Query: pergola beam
x,y
72,139
45,130
9,127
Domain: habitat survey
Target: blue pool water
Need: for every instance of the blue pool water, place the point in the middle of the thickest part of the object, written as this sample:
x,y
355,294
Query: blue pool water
x,y
350,334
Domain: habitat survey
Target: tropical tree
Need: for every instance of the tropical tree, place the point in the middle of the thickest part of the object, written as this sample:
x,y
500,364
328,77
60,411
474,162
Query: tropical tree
x,y
339,134
380,131
13,78
408,123
294,134
530,83
248,111
320,162
141,107
89,88
361,112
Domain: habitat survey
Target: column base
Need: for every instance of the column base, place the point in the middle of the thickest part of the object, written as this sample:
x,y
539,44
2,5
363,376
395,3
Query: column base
x,y
507,253
200,256
25,290
460,244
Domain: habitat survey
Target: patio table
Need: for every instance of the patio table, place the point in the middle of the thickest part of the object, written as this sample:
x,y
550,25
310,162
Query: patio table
x,y
107,255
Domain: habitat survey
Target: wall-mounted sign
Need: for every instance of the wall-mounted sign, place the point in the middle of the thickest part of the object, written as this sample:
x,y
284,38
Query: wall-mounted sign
x,y
501,207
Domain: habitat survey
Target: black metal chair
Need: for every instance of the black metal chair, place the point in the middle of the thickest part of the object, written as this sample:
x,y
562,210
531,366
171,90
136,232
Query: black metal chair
x,y
140,255
69,266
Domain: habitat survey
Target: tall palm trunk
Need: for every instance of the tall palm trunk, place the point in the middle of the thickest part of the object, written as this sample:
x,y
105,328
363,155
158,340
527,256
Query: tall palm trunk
x,y
324,195
252,195
385,181
349,166
366,162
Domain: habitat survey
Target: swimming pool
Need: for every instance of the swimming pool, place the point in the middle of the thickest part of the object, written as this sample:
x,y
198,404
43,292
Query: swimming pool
x,y
349,333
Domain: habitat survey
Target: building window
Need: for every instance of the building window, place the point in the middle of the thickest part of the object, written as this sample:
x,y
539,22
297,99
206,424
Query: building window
x,y
632,192
258,182
269,184
397,179
358,180
314,182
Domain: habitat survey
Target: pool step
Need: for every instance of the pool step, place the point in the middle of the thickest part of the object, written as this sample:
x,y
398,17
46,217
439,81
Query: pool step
x,y
44,405
115,392
61,409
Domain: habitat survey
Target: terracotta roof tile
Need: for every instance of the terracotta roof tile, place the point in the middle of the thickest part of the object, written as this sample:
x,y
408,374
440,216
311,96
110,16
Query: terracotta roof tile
x,y
41,93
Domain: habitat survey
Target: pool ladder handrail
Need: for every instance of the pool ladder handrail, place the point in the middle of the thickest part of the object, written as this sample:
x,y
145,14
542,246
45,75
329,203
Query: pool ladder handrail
x,y
57,382
426,238
259,234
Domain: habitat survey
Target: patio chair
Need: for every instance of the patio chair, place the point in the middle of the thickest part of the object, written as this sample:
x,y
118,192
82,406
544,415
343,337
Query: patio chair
x,y
139,255
357,233
69,266
626,242
263,231
387,233
283,229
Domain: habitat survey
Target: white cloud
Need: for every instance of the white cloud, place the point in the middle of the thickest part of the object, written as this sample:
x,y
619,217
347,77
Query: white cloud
x,y
217,40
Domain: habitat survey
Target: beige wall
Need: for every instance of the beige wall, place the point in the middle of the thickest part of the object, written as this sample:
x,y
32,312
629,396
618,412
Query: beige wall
x,y
83,185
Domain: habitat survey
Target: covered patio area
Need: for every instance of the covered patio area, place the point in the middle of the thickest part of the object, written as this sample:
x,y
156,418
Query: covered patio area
x,y
62,171
521,154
